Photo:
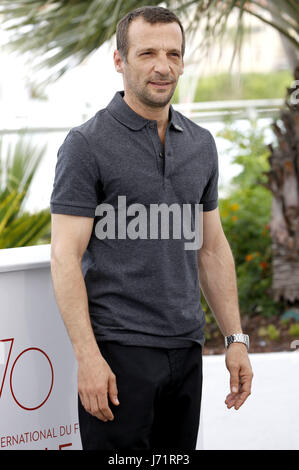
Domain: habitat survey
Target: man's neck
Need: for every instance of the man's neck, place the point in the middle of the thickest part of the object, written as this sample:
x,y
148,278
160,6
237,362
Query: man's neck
x,y
157,114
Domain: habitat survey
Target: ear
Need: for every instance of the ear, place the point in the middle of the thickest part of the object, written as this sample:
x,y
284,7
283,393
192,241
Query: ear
x,y
118,61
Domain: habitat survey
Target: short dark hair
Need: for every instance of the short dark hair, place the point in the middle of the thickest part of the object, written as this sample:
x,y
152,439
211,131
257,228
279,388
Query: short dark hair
x,y
152,15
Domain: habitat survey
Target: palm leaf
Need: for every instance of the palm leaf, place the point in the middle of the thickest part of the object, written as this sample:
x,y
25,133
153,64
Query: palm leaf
x,y
60,34
8,208
17,169
26,230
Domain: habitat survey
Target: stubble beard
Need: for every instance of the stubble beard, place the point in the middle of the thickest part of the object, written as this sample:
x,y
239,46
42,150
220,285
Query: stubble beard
x,y
151,99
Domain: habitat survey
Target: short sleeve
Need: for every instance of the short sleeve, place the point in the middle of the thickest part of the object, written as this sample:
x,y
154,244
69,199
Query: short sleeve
x,y
77,179
209,197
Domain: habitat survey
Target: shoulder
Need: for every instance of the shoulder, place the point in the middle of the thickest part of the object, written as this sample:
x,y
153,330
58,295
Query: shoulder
x,y
201,137
199,132
90,127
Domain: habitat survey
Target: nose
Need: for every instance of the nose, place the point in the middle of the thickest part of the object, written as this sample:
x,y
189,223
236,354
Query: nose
x,y
162,64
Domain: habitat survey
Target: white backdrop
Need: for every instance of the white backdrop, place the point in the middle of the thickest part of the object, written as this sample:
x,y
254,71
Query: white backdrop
x,y
38,371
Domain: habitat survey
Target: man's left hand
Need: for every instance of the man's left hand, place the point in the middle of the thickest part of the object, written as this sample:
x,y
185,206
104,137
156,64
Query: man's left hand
x,y
239,367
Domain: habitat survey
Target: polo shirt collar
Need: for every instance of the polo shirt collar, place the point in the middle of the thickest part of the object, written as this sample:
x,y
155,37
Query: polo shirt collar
x,y
127,116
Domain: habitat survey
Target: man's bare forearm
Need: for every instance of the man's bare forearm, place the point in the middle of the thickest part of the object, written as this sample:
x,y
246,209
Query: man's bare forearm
x,y
96,380
218,283
71,296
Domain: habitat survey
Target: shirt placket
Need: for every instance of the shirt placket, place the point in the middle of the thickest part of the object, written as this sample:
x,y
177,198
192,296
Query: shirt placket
x,y
163,154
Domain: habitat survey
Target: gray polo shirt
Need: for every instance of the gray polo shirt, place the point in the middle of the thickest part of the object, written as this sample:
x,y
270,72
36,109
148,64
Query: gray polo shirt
x,y
143,290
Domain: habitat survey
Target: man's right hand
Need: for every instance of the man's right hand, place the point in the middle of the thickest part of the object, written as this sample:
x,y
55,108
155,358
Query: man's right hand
x,y
95,381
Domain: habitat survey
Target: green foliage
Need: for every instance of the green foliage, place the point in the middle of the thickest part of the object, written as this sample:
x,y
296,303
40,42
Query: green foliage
x,y
294,330
273,332
269,331
245,215
61,34
17,226
249,86
262,331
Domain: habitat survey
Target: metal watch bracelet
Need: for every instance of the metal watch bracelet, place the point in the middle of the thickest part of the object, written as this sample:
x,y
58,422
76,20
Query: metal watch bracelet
x,y
237,338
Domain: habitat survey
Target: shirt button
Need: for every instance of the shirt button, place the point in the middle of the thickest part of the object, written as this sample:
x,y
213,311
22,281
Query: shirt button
x,y
151,125
161,155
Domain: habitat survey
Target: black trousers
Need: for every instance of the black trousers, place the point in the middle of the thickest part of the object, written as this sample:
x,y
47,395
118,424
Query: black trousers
x,y
159,391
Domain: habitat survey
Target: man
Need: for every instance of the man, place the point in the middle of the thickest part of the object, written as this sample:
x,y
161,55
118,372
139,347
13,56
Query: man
x,y
131,304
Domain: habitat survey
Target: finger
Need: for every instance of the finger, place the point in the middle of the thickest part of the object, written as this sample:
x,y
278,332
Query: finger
x,y
100,416
231,398
85,402
241,399
112,390
104,407
245,386
95,411
229,405
245,391
93,404
234,379
231,402
237,401
246,382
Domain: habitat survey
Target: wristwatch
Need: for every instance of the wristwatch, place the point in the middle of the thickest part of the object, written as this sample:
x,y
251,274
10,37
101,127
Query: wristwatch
x,y
236,338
